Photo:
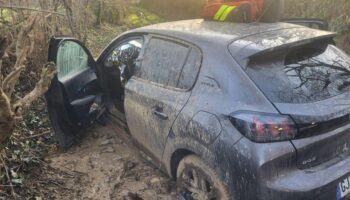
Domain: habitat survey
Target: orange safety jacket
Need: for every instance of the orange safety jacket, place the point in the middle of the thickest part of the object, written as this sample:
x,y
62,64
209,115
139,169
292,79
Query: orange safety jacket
x,y
233,10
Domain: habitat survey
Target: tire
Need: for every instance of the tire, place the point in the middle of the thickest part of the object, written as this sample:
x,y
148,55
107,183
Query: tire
x,y
196,180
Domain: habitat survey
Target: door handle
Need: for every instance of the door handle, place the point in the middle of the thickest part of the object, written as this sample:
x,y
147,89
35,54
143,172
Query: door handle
x,y
159,114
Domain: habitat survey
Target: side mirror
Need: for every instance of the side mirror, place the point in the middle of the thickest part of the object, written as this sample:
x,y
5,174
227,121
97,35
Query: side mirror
x,y
311,23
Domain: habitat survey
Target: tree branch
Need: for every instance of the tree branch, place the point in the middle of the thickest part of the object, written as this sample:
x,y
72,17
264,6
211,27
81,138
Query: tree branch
x,y
68,6
3,46
41,87
22,51
31,9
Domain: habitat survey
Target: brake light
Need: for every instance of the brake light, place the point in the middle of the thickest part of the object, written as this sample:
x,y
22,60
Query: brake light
x,y
262,127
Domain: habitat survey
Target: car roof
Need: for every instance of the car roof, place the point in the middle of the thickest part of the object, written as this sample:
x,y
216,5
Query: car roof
x,y
212,30
242,39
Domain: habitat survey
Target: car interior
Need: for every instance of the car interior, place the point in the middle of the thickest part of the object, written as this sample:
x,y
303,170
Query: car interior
x,y
119,67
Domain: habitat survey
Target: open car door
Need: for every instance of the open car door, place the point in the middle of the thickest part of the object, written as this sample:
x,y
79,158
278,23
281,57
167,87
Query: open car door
x,y
74,99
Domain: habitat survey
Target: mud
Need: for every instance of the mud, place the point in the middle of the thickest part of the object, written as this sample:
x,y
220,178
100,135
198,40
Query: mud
x,y
107,165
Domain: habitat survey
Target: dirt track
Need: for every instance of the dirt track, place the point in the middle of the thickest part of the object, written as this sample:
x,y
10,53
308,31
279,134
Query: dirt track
x,y
106,165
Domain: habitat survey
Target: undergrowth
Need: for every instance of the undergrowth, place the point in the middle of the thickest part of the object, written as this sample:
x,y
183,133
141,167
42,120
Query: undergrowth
x,y
33,138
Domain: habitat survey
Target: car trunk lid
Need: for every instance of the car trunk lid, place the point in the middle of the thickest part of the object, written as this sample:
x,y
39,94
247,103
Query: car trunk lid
x,y
315,91
307,78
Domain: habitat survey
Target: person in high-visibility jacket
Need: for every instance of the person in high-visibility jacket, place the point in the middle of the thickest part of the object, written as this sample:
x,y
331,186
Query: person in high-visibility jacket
x,y
243,10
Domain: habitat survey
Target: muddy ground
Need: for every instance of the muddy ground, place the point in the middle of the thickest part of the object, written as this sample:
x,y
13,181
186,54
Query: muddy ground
x,y
104,165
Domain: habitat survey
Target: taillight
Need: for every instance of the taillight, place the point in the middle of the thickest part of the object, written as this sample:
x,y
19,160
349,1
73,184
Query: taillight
x,y
262,127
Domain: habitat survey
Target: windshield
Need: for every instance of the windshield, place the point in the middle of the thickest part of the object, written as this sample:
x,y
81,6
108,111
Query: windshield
x,y
302,75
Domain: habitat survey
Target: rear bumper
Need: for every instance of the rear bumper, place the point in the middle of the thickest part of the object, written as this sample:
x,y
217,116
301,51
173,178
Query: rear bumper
x,y
320,183
273,174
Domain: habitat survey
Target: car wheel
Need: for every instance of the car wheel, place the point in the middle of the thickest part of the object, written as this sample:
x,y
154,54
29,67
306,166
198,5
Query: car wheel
x,y
196,180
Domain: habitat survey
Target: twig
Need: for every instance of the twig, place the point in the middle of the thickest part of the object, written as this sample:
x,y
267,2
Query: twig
x,y
35,136
8,177
3,193
31,9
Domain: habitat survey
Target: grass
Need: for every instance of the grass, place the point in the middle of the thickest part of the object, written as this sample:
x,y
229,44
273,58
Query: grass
x,y
138,17
99,37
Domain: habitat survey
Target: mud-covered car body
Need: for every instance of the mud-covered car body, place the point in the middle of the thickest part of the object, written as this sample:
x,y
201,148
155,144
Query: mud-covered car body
x,y
196,112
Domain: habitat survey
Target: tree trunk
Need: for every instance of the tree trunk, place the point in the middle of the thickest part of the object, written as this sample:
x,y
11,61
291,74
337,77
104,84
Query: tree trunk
x,y
6,120
99,13
6,114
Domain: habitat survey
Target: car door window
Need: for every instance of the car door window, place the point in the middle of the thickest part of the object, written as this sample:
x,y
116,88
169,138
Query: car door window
x,y
190,70
71,59
163,61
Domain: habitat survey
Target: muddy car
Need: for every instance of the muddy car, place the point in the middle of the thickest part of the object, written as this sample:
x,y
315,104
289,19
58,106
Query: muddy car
x,y
230,111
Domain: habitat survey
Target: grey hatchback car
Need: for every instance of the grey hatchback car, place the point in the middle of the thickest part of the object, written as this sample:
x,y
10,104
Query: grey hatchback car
x,y
229,110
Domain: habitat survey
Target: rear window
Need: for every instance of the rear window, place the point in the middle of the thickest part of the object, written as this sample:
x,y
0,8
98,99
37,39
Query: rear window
x,y
302,75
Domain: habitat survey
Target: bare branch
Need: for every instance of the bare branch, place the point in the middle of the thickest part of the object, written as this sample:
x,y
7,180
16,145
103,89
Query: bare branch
x,y
41,87
22,51
3,46
31,9
11,80
21,40
32,44
67,5
8,177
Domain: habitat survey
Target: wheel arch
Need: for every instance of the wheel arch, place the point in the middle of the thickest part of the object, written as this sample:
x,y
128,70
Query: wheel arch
x,y
176,158
177,149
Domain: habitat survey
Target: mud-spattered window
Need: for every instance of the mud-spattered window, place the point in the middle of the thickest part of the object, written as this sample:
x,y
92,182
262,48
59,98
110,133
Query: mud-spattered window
x,y
170,63
190,70
163,61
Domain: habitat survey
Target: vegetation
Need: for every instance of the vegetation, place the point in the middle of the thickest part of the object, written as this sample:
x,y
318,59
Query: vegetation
x,y
175,9
25,29
335,12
